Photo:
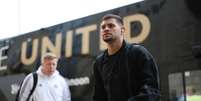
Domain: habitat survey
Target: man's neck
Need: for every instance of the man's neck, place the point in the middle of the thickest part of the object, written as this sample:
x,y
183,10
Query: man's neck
x,y
114,47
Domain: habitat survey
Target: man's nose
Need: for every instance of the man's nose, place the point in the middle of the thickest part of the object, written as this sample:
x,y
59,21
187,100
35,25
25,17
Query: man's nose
x,y
51,67
106,29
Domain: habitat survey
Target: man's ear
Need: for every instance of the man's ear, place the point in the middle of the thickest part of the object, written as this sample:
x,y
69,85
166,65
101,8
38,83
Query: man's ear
x,y
123,29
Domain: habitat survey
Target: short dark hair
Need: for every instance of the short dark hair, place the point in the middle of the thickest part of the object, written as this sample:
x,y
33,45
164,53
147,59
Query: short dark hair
x,y
117,17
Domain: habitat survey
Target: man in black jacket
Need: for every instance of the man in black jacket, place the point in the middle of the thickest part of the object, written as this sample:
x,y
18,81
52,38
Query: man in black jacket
x,y
124,72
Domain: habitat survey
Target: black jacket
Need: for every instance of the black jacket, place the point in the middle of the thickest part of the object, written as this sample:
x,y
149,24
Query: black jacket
x,y
129,75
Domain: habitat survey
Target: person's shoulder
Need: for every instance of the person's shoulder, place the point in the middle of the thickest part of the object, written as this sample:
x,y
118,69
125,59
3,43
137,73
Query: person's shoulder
x,y
99,59
135,47
100,56
63,80
29,76
60,77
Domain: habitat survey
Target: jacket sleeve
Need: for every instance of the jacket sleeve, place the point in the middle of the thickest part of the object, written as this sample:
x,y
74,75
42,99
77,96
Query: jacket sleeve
x,y
148,76
66,91
26,87
99,90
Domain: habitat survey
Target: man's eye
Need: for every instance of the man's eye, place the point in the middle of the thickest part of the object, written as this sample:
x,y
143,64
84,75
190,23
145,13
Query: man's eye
x,y
110,25
103,27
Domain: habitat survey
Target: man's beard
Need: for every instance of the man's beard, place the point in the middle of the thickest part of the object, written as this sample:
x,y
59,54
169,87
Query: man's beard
x,y
108,40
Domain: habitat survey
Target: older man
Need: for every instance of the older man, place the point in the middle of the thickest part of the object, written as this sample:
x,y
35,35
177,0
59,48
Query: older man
x,y
51,86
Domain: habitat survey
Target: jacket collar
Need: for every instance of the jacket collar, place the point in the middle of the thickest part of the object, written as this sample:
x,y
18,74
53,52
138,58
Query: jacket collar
x,y
118,52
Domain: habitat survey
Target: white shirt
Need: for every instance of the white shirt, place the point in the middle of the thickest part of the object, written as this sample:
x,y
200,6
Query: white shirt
x,y
49,88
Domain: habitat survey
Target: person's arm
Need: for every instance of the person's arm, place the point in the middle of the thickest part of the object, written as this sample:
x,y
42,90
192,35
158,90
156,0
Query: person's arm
x,y
99,90
149,89
66,92
26,87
